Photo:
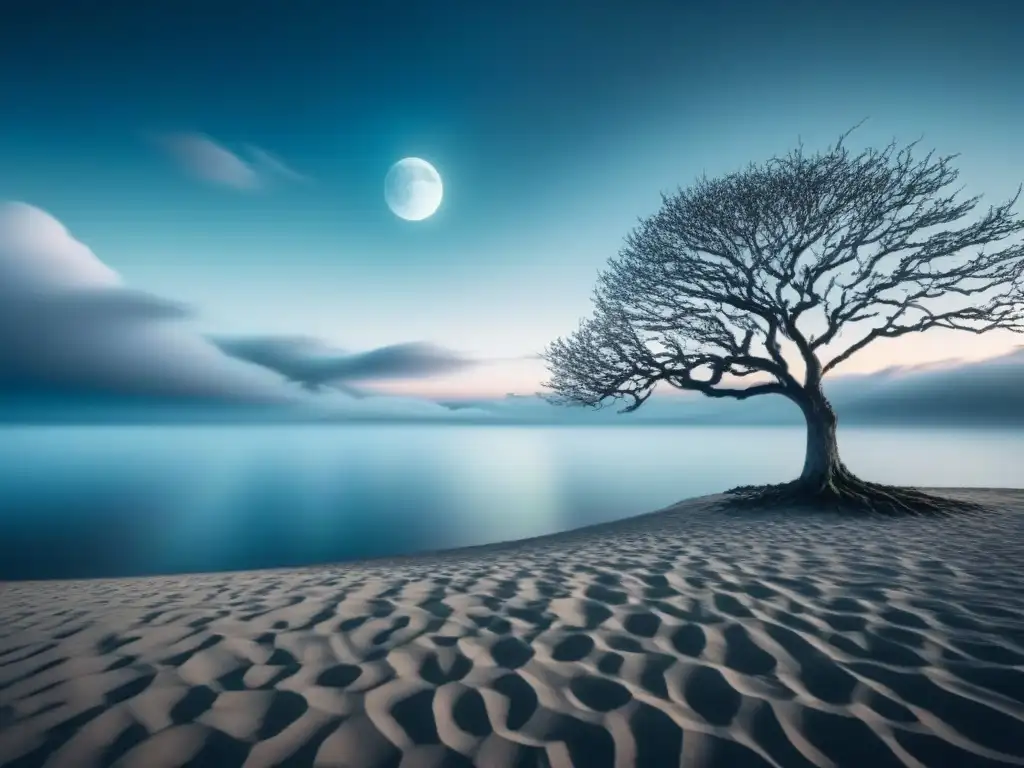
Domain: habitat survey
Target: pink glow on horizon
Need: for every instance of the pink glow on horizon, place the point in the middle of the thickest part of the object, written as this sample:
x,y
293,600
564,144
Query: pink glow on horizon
x,y
524,377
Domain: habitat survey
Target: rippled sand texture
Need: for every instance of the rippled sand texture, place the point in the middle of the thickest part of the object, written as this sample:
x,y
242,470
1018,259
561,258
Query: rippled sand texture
x,y
693,636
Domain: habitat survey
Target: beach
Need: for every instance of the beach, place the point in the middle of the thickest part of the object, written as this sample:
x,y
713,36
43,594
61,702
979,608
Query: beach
x,y
698,635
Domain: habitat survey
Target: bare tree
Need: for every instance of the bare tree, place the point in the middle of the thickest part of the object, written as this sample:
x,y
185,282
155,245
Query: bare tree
x,y
776,274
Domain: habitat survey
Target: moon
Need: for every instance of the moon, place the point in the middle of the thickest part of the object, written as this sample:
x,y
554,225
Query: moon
x,y
413,189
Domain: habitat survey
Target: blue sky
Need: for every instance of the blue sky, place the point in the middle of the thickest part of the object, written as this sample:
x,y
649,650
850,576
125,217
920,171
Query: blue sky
x,y
554,126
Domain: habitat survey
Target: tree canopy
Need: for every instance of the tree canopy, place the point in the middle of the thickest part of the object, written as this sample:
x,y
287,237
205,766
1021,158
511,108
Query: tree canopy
x,y
825,252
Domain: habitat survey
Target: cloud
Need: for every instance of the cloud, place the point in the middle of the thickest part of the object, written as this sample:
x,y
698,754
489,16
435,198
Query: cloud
x,y
69,325
313,365
205,159
272,166
71,330
75,342
984,393
38,254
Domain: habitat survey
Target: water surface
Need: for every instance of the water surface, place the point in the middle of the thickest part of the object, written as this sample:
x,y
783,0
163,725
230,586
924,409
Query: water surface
x,y
112,501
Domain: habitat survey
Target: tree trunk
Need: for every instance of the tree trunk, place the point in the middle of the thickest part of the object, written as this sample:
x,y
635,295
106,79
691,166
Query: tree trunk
x,y
822,465
826,482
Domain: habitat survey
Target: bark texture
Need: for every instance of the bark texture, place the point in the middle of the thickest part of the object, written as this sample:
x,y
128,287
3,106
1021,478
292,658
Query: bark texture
x,y
821,460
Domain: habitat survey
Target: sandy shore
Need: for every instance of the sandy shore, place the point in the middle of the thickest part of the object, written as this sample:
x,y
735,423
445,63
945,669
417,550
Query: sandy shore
x,y
690,637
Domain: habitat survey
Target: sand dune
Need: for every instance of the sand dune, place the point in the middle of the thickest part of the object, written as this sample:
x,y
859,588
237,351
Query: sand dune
x,y
694,636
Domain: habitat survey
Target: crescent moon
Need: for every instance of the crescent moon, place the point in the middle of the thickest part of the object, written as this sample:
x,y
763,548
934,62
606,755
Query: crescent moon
x,y
413,189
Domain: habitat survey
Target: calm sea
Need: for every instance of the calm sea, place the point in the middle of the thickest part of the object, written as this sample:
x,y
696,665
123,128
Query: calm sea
x,y
115,501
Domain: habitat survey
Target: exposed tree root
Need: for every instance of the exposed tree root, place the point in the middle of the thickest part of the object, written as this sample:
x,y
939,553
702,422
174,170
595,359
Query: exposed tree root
x,y
848,493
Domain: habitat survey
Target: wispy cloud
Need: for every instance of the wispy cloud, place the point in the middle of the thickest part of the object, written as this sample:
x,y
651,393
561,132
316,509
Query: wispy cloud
x,y
205,159
314,365
268,165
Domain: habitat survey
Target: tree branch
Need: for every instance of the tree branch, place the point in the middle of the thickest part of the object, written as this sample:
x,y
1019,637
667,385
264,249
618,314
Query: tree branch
x,y
725,270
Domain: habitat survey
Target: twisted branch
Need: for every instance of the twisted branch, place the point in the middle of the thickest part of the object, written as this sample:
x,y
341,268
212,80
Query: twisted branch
x,y
795,251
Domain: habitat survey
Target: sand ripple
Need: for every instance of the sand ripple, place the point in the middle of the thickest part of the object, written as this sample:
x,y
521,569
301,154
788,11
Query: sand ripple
x,y
690,637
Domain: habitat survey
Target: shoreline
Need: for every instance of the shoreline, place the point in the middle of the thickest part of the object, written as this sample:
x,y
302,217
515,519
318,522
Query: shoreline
x,y
708,501
720,638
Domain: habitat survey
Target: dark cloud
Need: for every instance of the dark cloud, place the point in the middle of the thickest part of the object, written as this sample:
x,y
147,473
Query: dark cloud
x,y
309,363
984,393
50,339
120,342
75,343
94,306
69,327
399,361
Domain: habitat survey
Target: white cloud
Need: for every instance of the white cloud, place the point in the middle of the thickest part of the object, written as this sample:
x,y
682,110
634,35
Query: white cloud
x,y
38,253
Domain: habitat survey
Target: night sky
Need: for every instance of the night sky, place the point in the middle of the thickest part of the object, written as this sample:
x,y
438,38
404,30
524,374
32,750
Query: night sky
x,y
554,125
